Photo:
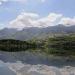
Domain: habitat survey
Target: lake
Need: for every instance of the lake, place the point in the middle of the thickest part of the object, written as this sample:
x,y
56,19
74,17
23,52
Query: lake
x,y
28,63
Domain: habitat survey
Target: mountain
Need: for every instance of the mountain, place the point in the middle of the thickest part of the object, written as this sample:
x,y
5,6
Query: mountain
x,y
60,29
7,33
35,32
27,33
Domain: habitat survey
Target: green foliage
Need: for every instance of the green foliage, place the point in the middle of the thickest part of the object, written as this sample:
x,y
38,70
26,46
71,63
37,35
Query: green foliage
x,y
63,45
15,45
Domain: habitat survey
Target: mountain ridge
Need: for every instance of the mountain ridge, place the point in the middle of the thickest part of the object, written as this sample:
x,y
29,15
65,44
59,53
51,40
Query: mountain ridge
x,y
35,32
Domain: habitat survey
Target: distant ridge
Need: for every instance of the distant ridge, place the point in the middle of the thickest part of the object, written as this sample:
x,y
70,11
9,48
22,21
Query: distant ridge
x,y
35,32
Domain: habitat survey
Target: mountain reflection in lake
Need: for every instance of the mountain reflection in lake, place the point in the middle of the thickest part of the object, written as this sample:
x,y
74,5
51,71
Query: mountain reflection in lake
x,y
28,63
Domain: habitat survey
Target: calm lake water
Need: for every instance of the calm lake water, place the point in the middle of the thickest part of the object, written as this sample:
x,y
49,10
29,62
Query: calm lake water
x,y
26,63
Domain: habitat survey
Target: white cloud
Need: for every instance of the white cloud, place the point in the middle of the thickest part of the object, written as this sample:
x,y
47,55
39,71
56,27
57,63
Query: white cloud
x,y
33,20
42,0
27,0
21,1
24,20
67,21
50,20
2,1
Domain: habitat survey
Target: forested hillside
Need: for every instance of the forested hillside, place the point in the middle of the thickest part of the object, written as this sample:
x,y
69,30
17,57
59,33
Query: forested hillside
x,y
63,45
15,45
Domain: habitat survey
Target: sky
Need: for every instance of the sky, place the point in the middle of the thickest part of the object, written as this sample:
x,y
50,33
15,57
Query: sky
x,y
36,13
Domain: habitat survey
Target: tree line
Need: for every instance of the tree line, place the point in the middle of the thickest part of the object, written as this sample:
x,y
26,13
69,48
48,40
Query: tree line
x,y
63,45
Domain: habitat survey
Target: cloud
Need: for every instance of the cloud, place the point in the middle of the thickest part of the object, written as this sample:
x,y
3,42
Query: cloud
x,y
21,1
42,0
27,0
2,1
34,20
24,20
67,21
50,20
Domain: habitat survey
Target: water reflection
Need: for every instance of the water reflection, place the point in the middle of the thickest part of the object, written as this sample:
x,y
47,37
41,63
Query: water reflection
x,y
26,63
